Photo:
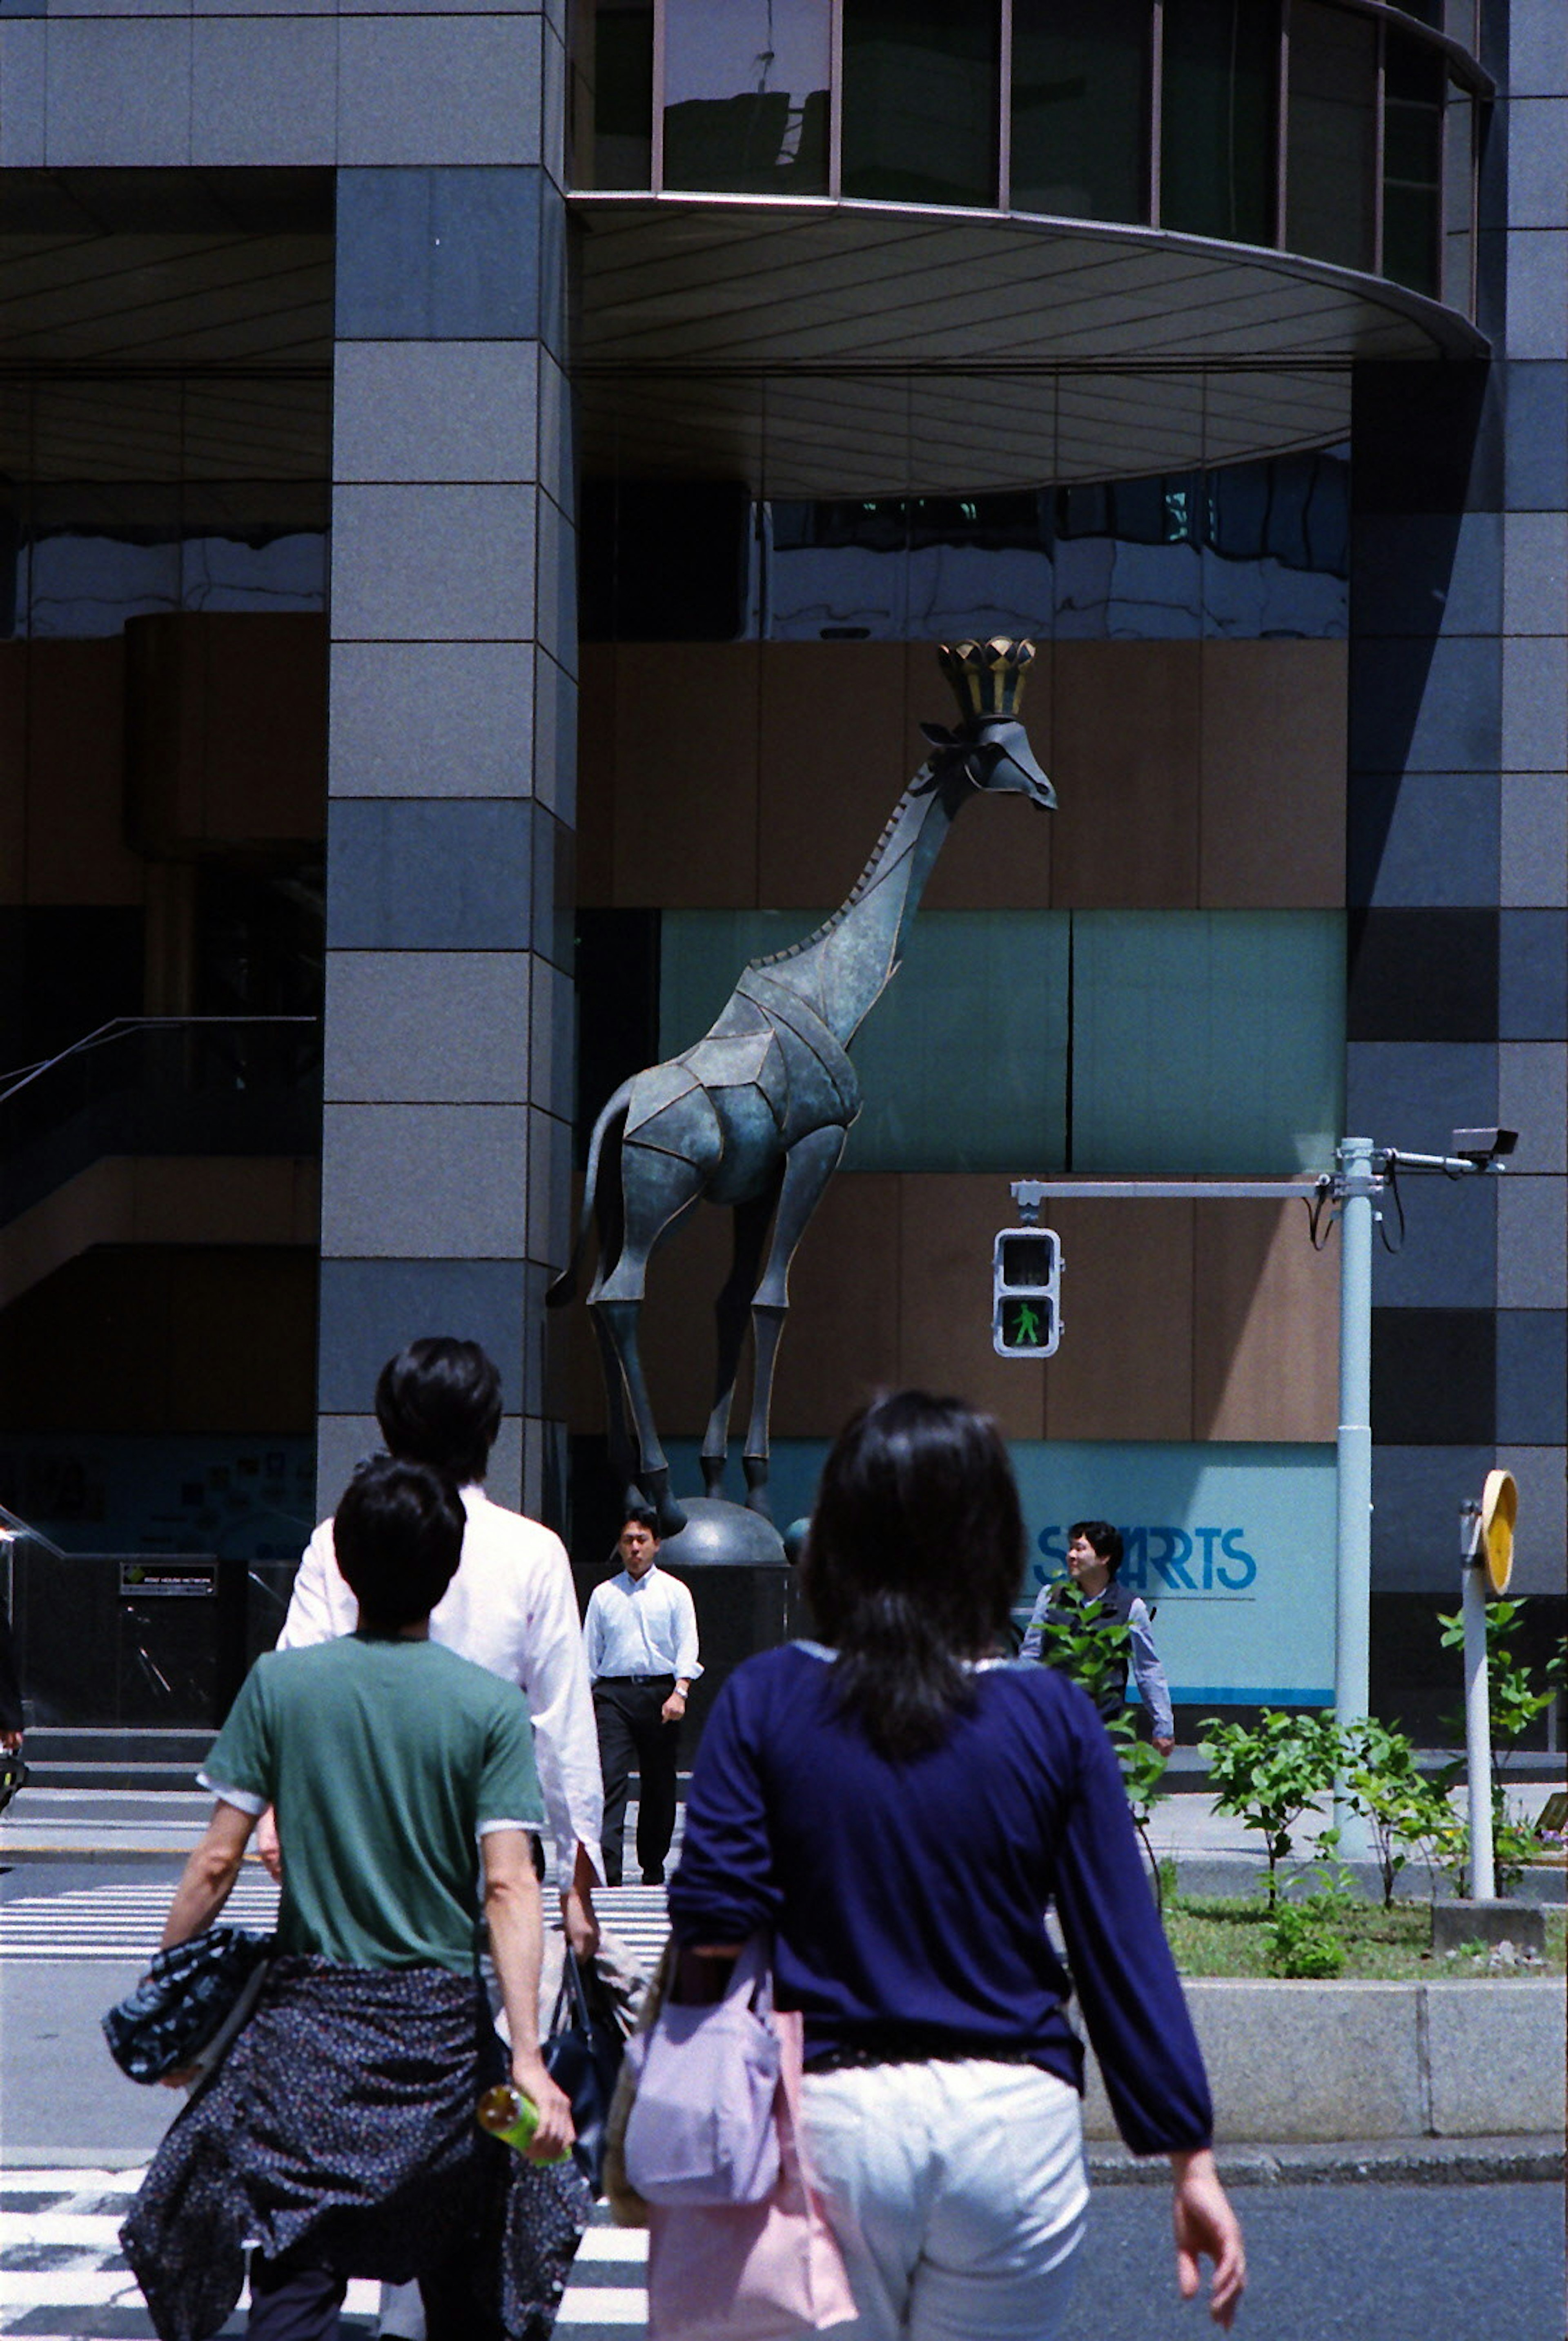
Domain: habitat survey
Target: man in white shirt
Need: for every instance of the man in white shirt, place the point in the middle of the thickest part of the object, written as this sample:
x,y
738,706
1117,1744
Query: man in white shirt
x,y
641,1637
511,1608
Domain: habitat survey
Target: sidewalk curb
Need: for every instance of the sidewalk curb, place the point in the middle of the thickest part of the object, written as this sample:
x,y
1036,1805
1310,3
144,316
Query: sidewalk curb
x,y
1409,2162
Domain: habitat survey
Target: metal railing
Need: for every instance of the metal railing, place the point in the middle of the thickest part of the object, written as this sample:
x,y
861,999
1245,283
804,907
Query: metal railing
x,y
159,1085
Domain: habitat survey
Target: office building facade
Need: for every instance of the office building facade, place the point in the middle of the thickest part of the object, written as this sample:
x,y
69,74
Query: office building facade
x,y
482,490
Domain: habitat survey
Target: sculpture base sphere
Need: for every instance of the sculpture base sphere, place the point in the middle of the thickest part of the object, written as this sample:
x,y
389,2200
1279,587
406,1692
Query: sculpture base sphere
x,y
722,1536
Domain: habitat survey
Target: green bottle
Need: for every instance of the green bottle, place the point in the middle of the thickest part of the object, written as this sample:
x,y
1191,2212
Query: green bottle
x,y
512,2117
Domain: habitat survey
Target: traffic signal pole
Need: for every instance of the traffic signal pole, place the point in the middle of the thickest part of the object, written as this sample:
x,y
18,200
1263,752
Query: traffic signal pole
x,y
1358,1183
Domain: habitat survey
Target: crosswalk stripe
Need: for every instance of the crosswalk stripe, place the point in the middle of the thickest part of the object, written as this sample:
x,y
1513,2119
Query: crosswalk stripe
x,y
116,1921
78,2213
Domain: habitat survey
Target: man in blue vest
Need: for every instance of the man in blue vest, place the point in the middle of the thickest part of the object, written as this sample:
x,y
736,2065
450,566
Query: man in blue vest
x,y
1094,1559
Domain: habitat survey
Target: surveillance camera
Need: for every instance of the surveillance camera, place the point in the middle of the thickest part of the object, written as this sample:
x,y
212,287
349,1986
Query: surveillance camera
x,y
1485,1145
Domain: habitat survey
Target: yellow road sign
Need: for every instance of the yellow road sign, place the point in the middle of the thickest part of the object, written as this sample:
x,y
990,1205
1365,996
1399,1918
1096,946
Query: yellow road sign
x,y
1499,1511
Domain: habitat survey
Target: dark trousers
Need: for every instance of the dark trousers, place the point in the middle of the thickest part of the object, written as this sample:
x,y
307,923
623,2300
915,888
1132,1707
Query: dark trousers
x,y
291,2301
633,1736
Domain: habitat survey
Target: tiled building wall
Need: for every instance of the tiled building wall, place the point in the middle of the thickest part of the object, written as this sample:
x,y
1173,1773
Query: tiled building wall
x,y
448,1017
1458,860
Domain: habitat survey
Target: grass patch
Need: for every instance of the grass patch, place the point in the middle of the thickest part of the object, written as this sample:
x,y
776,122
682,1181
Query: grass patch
x,y
1229,1937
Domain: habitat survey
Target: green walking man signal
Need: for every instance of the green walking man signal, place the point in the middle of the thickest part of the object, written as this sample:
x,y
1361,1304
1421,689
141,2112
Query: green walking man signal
x,y
1026,1292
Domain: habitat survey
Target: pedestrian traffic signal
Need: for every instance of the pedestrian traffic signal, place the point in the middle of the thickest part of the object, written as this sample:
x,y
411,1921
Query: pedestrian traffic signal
x,y
1026,1292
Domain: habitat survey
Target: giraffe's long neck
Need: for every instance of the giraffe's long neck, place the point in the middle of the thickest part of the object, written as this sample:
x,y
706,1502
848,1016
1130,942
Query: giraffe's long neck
x,y
846,966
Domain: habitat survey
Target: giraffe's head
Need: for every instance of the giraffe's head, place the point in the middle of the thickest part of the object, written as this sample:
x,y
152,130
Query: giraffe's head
x,y
990,749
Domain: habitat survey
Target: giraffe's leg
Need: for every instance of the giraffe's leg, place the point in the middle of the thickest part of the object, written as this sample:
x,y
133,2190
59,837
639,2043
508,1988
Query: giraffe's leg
x,y
657,1190
808,1166
730,1313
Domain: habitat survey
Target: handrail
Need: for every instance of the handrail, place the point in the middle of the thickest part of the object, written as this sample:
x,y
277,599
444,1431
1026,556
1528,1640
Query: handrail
x,y
13,1527
21,1076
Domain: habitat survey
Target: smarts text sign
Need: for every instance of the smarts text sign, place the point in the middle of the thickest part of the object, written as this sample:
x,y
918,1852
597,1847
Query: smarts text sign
x,y
1233,1544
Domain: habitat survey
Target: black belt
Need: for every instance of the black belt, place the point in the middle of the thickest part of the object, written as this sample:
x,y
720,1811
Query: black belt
x,y
637,1679
849,2060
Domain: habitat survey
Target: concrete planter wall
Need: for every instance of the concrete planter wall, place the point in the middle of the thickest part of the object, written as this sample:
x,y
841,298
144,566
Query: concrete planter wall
x,y
1304,2062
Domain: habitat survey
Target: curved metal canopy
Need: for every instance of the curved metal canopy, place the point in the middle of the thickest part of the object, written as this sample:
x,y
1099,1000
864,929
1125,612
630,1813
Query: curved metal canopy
x,y
831,349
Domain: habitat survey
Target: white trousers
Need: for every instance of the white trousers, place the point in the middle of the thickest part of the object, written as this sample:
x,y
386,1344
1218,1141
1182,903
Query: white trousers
x,y
956,2192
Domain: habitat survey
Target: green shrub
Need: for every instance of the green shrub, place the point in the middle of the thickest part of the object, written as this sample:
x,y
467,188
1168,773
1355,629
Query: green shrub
x,y
1270,1777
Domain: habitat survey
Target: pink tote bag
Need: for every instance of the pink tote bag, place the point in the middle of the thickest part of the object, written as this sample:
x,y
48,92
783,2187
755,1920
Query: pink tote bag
x,y
755,2271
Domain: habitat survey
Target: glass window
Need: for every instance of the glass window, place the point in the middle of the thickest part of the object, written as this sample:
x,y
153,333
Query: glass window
x,y
963,1060
1202,1041
1208,1041
1331,152
621,65
1458,199
920,101
1080,108
1217,118
1413,77
747,95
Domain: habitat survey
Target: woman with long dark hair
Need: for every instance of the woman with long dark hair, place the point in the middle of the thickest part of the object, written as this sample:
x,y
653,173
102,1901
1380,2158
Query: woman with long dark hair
x,y
896,1809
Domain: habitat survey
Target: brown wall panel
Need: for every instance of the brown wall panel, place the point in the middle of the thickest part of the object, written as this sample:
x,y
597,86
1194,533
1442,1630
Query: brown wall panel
x,y
1124,1369
841,1342
998,857
835,759
1125,734
74,750
949,1223
686,774
12,772
1182,1320
225,730
1273,775
1265,1325
147,1340
597,675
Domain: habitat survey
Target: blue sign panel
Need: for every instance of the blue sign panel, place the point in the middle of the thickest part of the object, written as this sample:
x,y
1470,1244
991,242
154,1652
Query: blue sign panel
x,y
1231,1545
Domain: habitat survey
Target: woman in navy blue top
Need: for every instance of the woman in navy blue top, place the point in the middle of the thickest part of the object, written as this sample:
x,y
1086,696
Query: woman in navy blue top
x,y
898,1808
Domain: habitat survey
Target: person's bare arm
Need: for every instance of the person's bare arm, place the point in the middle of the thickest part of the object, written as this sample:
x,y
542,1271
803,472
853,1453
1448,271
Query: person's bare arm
x,y
514,1915
1206,2227
577,1906
209,1875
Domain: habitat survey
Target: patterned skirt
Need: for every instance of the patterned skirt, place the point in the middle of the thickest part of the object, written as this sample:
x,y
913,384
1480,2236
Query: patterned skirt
x,y
341,2124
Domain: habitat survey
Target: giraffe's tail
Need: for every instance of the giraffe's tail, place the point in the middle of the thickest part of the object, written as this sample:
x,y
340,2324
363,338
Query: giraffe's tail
x,y
564,1287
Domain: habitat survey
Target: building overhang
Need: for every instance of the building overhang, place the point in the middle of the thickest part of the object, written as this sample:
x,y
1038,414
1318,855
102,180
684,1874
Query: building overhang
x,y
834,348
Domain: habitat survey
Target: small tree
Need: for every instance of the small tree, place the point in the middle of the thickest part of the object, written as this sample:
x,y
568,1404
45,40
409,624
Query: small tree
x,y
1514,1695
1401,1807
1083,1641
1515,1699
1270,1777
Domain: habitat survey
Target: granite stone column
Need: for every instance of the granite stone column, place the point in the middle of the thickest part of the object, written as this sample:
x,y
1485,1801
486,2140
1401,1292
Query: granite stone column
x,y
448,1047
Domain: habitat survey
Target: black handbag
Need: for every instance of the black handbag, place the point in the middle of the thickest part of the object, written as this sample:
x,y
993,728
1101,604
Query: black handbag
x,y
583,2056
188,2004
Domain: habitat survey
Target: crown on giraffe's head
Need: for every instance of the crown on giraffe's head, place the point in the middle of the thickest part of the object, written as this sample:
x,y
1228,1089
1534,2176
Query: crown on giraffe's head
x,y
988,677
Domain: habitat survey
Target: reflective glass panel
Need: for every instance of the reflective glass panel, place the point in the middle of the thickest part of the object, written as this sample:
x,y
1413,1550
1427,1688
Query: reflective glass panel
x,y
1080,108
1414,78
1331,152
1217,118
963,1060
622,68
1458,193
920,101
747,95
1208,1041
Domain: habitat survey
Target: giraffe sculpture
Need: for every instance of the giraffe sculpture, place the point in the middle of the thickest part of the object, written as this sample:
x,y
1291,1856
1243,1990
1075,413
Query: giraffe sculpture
x,y
755,1114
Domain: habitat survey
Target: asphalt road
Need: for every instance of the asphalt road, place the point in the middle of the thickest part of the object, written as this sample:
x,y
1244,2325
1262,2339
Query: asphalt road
x,y
1370,2262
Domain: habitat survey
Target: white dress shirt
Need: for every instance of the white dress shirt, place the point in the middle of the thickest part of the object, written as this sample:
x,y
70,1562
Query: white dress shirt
x,y
643,1625
511,1609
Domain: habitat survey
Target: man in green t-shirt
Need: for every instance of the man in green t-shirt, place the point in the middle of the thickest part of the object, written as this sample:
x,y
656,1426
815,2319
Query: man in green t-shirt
x,y
386,1757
